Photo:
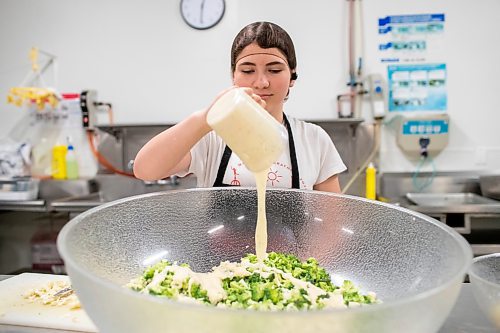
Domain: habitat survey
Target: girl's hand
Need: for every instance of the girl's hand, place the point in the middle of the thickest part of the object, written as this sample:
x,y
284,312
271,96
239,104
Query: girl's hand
x,y
255,97
249,91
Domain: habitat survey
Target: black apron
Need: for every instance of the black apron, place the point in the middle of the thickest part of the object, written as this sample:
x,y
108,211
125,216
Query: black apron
x,y
293,159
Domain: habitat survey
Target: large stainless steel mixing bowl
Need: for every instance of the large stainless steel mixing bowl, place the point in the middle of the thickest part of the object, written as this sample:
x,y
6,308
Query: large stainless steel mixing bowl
x,y
414,263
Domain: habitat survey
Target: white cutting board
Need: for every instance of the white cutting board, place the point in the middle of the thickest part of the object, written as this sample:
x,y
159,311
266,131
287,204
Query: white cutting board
x,y
17,310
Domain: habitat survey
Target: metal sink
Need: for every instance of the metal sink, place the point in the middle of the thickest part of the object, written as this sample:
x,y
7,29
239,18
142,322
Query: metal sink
x,y
440,204
448,199
113,187
77,204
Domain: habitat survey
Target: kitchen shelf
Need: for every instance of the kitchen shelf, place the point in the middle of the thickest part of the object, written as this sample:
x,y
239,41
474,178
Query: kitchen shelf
x,y
22,205
351,123
116,130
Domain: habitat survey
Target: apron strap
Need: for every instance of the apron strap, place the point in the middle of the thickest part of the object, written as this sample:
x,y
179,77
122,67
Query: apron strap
x,y
293,155
293,160
222,167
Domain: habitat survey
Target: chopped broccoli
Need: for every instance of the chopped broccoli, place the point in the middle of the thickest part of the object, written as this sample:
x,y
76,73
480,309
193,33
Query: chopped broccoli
x,y
198,293
149,272
271,285
351,294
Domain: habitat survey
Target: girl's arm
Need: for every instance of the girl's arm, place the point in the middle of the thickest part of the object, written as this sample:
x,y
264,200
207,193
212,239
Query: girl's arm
x,y
330,185
169,152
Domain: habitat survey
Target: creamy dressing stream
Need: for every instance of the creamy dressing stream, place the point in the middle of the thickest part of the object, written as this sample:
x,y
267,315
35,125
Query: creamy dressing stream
x,y
261,228
256,137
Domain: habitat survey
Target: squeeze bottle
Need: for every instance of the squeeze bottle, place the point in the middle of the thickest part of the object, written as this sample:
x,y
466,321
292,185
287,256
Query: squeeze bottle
x,y
248,129
59,162
371,182
71,163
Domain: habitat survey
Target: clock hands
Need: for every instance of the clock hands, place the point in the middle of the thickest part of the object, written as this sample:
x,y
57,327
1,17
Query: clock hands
x,y
202,6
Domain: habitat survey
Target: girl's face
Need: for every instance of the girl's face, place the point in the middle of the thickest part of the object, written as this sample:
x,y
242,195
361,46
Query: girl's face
x,y
266,71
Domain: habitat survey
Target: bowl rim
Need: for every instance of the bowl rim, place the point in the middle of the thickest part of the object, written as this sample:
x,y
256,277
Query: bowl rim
x,y
104,283
476,276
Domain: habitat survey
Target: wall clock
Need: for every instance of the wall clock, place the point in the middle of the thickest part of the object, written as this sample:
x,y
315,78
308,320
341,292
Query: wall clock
x,y
202,14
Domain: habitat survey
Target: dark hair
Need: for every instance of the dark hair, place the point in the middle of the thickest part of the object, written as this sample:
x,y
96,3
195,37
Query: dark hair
x,y
266,35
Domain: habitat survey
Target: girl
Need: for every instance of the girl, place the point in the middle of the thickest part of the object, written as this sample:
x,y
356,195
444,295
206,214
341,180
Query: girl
x,y
263,61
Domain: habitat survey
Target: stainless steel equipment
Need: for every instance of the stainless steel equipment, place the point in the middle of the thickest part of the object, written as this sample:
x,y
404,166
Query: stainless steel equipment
x,y
490,185
414,263
448,199
453,198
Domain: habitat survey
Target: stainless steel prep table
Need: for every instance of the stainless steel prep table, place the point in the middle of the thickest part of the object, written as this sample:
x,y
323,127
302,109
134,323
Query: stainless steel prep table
x,y
465,317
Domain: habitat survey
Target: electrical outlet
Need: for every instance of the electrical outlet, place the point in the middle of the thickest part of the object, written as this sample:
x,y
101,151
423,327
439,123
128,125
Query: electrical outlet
x,y
480,156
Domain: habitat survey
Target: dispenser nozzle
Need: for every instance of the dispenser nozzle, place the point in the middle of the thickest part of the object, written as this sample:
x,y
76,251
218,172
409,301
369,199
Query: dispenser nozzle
x,y
424,143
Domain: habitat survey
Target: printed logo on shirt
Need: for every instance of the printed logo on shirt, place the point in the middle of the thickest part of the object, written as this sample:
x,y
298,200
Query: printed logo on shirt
x,y
273,177
279,175
235,181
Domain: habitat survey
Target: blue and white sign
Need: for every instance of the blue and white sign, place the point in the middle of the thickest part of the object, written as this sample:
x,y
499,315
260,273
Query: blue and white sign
x,y
417,87
407,24
411,38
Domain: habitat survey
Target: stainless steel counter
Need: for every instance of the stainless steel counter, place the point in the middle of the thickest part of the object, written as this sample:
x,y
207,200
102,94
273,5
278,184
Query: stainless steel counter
x,y
29,206
465,317
490,208
77,196
478,222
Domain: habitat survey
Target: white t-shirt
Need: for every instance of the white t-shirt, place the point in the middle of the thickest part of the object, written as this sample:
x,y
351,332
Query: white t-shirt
x,y
317,160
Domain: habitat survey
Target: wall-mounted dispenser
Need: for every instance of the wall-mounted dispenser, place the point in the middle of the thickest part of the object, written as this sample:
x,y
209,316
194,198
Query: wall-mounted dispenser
x,y
376,90
424,134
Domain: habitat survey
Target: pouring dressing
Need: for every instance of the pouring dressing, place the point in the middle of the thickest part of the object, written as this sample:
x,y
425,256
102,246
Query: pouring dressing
x,y
257,138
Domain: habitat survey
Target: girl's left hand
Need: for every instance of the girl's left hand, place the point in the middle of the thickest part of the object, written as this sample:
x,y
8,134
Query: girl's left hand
x,y
255,97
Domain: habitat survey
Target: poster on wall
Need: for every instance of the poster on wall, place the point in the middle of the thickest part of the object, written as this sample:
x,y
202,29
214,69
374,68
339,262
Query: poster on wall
x,y
417,87
411,38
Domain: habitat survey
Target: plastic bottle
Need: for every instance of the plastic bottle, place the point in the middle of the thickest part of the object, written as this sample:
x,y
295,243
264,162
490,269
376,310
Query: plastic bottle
x,y
371,182
43,136
41,158
72,127
59,162
248,129
71,163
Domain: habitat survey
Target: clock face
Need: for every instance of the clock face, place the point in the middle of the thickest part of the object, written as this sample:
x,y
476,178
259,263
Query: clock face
x,y
202,14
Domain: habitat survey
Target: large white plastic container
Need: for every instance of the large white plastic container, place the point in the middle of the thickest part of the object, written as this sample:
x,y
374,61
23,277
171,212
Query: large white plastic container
x,y
247,128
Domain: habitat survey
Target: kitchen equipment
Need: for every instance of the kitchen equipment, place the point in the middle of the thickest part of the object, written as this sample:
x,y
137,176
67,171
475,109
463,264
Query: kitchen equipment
x,y
484,276
18,189
490,185
247,128
414,263
15,309
448,199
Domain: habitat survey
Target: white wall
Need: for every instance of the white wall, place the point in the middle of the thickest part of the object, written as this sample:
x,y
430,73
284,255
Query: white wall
x,y
472,54
143,58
